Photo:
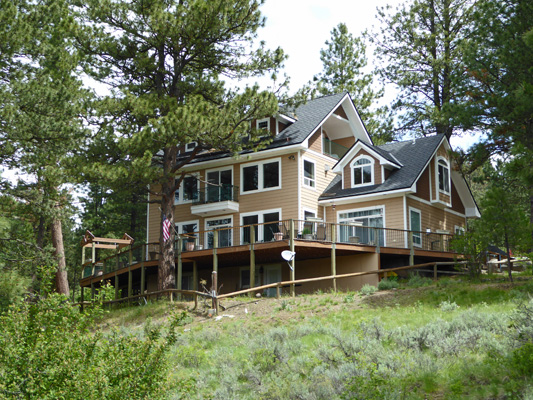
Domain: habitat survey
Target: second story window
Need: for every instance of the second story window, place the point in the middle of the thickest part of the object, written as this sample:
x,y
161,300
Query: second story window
x,y
309,173
263,124
362,169
444,176
187,191
264,175
190,146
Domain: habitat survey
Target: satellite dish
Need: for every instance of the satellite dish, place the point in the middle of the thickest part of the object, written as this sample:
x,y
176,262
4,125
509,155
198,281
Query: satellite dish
x,y
288,255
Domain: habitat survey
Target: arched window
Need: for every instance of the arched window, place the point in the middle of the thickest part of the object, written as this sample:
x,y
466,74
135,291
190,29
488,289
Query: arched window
x,y
363,172
444,175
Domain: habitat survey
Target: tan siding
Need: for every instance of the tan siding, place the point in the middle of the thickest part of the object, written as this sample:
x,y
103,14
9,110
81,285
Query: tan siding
x,y
436,218
393,210
315,142
346,142
309,196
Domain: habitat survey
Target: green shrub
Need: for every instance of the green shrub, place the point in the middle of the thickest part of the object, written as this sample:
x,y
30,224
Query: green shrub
x,y
416,281
388,284
522,359
448,306
367,290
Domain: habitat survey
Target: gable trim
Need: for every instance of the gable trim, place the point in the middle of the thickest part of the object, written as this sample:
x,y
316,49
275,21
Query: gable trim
x,y
358,145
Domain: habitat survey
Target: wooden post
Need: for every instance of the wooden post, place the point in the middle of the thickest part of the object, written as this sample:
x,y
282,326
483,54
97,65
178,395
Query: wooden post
x,y
93,290
214,284
82,297
333,257
293,262
179,273
376,240
143,271
385,276
93,254
194,276
215,245
252,259
130,282
435,272
412,249
104,266
117,263
130,256
278,292
117,292
82,255
195,301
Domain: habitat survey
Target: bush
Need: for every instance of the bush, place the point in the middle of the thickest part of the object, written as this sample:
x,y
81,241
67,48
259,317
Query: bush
x,y
388,284
367,290
448,305
416,281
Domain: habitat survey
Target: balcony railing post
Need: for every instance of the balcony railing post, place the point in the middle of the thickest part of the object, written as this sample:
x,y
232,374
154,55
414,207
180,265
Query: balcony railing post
x,y
143,272
333,257
215,246
252,258
376,239
411,249
179,266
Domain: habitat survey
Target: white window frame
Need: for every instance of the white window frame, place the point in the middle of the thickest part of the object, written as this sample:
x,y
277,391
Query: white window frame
x,y
440,158
457,229
376,207
352,175
259,121
181,191
190,146
178,226
207,228
260,178
260,220
309,182
419,235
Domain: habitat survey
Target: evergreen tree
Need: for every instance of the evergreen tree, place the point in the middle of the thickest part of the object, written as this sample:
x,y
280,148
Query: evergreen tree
x,y
420,46
163,61
344,60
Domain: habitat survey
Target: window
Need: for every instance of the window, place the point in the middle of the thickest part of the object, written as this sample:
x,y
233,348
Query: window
x,y
224,235
191,146
263,124
360,223
309,173
219,185
415,223
459,230
363,169
245,277
264,232
444,176
188,190
187,230
265,175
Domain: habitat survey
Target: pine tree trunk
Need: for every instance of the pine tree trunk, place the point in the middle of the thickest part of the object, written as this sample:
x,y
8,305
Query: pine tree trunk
x,y
166,259
59,252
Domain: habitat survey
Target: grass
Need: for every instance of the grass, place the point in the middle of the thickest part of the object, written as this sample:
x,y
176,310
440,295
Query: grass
x,y
452,339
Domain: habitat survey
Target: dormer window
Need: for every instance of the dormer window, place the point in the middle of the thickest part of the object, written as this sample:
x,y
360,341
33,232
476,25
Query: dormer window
x,y
263,124
444,175
190,146
363,171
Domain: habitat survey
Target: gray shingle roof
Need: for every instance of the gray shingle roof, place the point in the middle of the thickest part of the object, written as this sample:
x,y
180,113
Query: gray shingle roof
x,y
412,154
310,115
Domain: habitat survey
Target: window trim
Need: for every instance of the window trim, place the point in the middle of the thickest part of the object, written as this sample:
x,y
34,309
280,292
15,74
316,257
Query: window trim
x,y
313,180
458,229
352,174
178,226
419,235
446,164
267,120
260,177
260,220
376,207
187,145
181,191
207,230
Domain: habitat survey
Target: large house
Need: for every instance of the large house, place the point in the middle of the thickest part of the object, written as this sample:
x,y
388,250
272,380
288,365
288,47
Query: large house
x,y
321,181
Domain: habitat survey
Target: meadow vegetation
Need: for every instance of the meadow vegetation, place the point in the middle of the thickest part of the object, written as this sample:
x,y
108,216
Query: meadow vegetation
x,y
450,339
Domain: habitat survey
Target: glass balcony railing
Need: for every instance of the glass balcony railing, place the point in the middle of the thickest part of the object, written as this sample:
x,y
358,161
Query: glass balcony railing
x,y
216,194
333,149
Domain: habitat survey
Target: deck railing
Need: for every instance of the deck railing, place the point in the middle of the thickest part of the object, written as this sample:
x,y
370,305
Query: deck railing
x,y
216,194
311,230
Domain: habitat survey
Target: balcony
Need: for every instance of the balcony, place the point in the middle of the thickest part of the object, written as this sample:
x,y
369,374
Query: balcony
x,y
333,149
216,200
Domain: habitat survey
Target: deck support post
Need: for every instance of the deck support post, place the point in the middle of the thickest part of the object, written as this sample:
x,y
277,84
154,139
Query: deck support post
x,y
215,245
82,255
93,254
130,256
214,285
117,292
130,282
293,262
93,290
252,259
195,277
179,266
376,240
435,272
82,297
333,257
411,248
143,271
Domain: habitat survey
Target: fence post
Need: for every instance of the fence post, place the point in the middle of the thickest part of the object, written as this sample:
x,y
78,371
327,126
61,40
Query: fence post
x,y
333,257
435,272
293,262
215,245
278,291
214,283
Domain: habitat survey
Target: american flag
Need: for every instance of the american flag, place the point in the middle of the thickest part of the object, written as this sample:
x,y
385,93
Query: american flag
x,y
166,228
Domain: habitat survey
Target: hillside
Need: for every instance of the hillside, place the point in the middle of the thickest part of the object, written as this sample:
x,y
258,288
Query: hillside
x,y
452,339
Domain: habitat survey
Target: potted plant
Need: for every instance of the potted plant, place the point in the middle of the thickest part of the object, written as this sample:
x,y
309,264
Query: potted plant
x,y
307,234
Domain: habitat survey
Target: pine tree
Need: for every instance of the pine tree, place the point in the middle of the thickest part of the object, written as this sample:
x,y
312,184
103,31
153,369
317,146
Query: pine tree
x,y
420,47
164,60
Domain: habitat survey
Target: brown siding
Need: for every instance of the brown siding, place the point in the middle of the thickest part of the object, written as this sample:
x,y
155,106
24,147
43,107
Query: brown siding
x,y
281,126
422,186
340,112
315,141
457,203
348,171
346,142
